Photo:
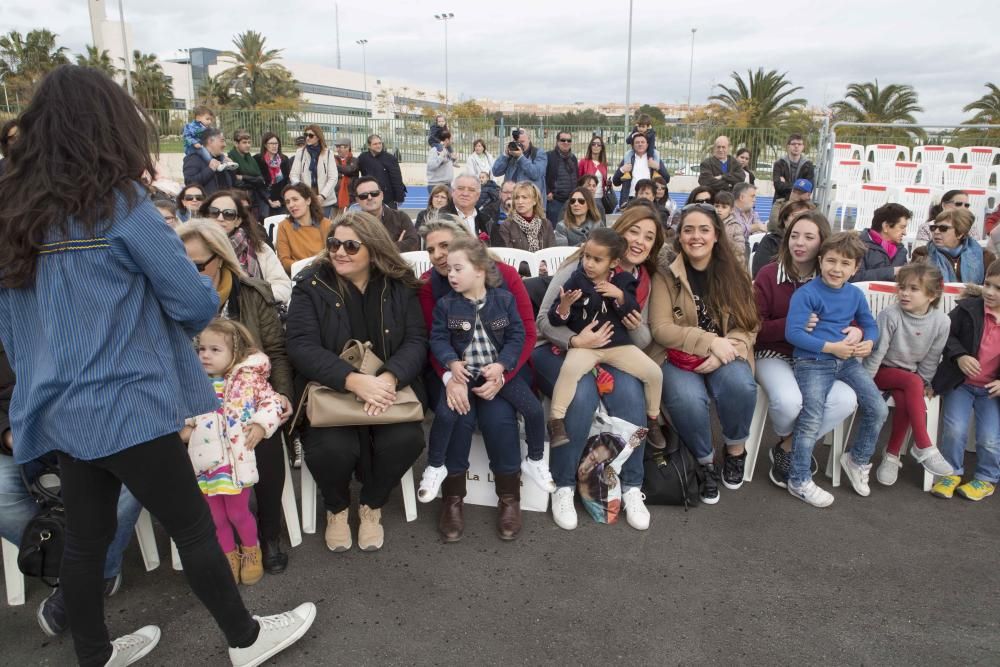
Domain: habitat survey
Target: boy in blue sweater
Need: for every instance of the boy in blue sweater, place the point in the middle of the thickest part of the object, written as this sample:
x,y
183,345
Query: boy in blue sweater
x,y
824,356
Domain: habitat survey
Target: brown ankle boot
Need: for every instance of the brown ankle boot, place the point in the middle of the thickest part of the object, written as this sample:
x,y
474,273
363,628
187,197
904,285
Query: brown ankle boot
x,y
509,506
654,436
234,562
452,522
557,433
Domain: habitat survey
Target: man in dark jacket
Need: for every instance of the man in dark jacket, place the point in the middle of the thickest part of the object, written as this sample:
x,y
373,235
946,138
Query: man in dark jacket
x,y
791,168
560,176
384,168
720,171
641,166
213,175
465,190
398,224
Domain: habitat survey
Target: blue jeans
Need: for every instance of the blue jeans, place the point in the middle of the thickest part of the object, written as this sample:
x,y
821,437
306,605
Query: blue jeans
x,y
554,210
627,401
685,399
959,404
17,508
815,378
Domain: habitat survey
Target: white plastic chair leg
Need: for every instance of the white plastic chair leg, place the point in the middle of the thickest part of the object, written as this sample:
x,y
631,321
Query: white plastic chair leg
x,y
147,541
175,557
308,500
756,434
409,495
13,578
933,419
288,505
837,448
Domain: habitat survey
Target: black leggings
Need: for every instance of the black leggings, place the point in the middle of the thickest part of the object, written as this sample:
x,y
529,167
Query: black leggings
x,y
271,470
159,474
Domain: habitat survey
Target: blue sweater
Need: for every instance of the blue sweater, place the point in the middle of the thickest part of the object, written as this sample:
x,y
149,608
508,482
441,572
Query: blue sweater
x,y
836,308
101,341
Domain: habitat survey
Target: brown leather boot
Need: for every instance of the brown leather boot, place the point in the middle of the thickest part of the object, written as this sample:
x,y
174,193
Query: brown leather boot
x,y
452,522
557,433
509,505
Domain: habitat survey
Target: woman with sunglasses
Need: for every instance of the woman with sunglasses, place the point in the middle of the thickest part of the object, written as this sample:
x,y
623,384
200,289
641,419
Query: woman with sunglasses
x,y
275,168
249,301
189,200
700,195
595,163
247,238
359,288
954,250
314,165
703,319
301,235
951,199
579,218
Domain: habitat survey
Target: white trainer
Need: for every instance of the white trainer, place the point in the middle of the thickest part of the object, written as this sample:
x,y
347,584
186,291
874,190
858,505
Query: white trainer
x,y
932,461
858,474
635,510
134,647
430,483
888,470
810,493
538,472
563,508
277,633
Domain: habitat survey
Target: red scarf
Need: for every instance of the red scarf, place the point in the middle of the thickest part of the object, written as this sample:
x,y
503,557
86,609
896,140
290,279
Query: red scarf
x,y
644,286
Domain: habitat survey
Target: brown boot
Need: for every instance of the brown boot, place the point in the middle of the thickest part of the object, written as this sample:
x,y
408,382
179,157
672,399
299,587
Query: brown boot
x,y
509,505
452,522
234,562
654,436
252,567
557,433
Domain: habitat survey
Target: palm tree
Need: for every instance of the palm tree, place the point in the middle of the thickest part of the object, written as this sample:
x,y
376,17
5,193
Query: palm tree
x,y
869,103
99,61
987,108
24,60
150,85
256,77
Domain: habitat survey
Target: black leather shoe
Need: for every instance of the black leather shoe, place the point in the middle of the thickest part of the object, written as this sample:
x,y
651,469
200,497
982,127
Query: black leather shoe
x,y
275,560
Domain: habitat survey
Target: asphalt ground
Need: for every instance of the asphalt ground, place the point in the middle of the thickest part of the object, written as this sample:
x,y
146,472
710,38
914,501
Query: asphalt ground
x,y
899,578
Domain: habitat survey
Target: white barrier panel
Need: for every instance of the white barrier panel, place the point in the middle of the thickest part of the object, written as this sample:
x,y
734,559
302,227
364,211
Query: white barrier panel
x,y
479,479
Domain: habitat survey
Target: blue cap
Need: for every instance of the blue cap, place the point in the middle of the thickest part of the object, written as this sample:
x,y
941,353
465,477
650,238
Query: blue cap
x,y
803,185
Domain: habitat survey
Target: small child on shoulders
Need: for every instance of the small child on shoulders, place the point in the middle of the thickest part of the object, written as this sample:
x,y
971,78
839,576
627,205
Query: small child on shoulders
x,y
434,132
204,118
644,126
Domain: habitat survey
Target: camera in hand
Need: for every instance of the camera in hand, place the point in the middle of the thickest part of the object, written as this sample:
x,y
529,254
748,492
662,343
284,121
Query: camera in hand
x,y
514,146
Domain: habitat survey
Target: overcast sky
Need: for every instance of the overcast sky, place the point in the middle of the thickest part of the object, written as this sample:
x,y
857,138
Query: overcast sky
x,y
561,51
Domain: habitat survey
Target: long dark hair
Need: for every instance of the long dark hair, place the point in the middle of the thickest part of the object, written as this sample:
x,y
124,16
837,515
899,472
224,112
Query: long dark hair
x,y
266,138
945,199
601,158
255,235
82,144
785,258
697,191
593,215
315,206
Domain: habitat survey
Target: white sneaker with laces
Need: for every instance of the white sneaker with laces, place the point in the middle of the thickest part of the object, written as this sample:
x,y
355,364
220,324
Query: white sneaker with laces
x,y
277,633
430,483
812,494
932,461
858,474
563,508
538,472
635,510
132,648
888,470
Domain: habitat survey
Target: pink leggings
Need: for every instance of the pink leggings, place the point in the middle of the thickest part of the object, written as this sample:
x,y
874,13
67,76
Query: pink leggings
x,y
910,413
230,512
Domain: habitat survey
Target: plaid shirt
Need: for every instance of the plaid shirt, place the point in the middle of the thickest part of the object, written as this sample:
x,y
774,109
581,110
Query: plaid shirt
x,y
480,351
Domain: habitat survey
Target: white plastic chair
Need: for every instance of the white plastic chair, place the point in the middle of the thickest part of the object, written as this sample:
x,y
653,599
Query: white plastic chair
x,y
754,241
309,490
842,151
918,199
886,152
420,260
934,154
880,295
13,579
271,225
300,264
146,538
849,172
980,156
979,200
960,176
865,199
553,257
897,173
514,257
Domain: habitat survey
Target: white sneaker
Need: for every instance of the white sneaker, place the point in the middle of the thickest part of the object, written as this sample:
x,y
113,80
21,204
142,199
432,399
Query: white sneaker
x,y
888,470
932,461
811,494
134,647
858,474
635,509
563,508
430,483
277,633
538,472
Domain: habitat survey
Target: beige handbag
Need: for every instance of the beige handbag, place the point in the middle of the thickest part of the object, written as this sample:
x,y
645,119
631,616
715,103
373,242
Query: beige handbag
x,y
328,407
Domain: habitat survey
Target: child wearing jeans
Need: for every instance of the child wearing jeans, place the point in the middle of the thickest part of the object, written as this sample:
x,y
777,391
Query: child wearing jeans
x,y
203,119
595,291
478,335
911,337
221,443
823,357
967,382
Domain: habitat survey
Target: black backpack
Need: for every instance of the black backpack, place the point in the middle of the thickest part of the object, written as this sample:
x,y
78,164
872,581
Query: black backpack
x,y
41,549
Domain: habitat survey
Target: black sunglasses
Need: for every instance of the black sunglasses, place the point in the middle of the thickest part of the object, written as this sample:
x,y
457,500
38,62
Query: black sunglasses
x,y
201,265
958,203
368,195
577,200
228,214
194,197
565,141
940,228
596,143
309,135
351,247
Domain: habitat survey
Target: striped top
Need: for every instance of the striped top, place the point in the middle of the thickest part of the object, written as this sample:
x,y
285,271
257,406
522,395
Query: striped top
x,y
101,342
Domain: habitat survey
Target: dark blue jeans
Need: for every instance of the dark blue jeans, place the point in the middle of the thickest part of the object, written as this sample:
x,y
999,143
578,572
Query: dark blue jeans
x,y
497,421
627,401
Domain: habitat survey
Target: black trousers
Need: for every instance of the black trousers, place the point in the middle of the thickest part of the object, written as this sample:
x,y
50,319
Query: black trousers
x,y
380,455
160,476
271,473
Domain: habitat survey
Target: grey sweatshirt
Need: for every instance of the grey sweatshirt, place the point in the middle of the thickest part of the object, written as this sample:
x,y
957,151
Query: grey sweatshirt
x,y
910,342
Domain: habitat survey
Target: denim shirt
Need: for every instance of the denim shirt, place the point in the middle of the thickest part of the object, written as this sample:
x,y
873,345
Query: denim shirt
x,y
455,320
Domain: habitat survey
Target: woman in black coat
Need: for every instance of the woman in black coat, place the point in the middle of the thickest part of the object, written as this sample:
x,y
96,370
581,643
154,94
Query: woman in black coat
x,y
360,288
274,167
884,250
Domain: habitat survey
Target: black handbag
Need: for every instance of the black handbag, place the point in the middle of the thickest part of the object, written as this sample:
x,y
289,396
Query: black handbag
x,y
608,200
670,476
40,552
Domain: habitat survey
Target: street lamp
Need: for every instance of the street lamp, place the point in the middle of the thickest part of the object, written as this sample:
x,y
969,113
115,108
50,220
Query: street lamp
x,y
691,69
445,17
628,67
364,71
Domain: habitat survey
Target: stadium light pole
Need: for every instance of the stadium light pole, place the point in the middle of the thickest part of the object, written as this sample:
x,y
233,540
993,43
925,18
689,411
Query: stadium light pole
x,y
628,67
445,17
364,71
691,69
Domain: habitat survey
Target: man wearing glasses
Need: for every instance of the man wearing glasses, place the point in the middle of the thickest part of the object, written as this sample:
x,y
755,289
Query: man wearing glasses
x,y
384,168
560,176
791,168
398,224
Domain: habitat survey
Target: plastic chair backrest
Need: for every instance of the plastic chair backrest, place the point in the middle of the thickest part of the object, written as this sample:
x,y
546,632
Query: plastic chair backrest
x,y
847,152
300,264
980,156
934,154
886,152
514,257
952,292
880,295
848,172
553,257
897,173
420,260
271,225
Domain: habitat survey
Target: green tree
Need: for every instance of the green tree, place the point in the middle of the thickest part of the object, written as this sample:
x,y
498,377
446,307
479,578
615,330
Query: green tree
x,y
214,93
150,85
870,103
987,108
25,59
257,78
99,61
653,112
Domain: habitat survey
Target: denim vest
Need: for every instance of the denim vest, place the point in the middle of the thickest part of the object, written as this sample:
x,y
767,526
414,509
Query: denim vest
x,y
455,321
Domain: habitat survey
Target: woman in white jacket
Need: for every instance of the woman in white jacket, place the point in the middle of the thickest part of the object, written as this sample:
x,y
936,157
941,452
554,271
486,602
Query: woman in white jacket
x,y
316,166
479,160
247,238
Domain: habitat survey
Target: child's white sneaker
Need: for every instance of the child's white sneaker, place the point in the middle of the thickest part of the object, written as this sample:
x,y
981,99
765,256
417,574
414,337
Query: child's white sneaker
x,y
538,472
858,474
563,508
932,461
635,510
430,483
810,493
888,470
277,633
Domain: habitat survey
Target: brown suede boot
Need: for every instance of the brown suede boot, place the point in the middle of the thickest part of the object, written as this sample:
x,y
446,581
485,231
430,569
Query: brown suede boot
x,y
654,436
234,562
452,522
557,433
509,505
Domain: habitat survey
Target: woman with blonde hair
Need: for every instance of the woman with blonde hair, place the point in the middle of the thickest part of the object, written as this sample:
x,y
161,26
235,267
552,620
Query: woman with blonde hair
x,y
526,227
359,288
314,165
